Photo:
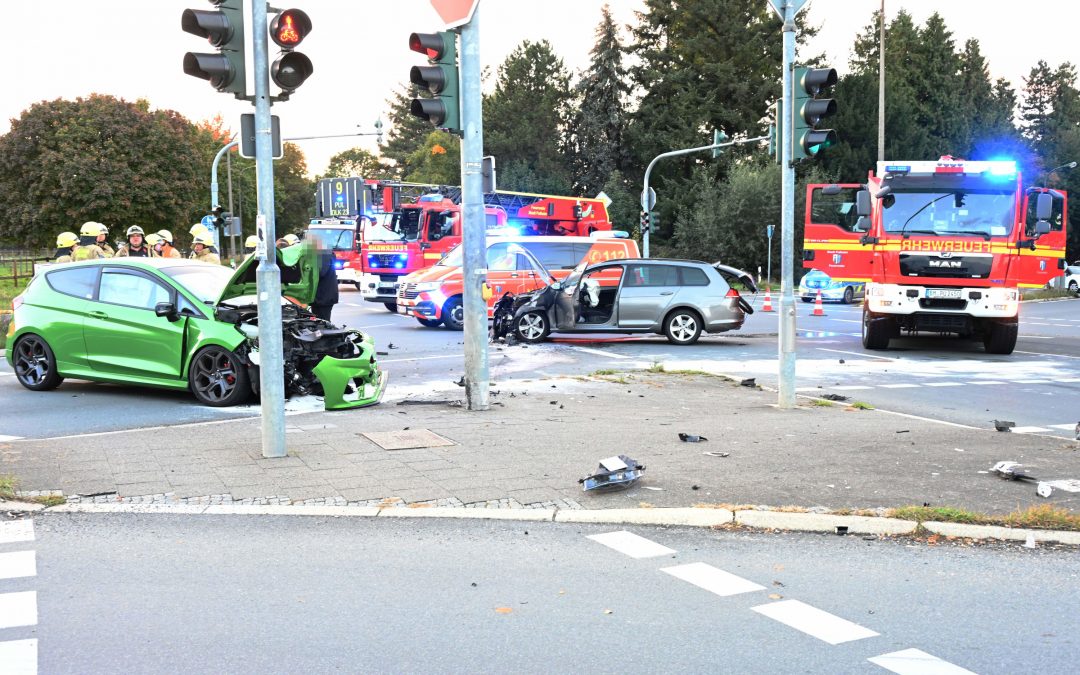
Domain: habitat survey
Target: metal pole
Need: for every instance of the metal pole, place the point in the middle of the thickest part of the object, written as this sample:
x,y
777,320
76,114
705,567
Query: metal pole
x,y
768,265
472,207
268,279
675,153
232,235
214,186
881,90
786,396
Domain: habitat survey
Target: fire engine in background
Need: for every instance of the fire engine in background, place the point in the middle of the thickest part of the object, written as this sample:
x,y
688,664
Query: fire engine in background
x,y
428,229
944,247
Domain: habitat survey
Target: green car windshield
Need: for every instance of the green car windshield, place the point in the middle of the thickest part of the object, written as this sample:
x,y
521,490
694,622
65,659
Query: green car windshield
x,y
204,282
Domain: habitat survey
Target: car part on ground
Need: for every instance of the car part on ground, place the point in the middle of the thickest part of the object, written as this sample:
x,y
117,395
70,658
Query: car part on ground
x,y
614,473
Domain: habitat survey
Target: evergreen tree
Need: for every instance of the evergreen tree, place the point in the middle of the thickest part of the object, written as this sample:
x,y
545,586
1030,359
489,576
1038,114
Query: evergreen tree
x,y
407,133
525,120
357,162
599,125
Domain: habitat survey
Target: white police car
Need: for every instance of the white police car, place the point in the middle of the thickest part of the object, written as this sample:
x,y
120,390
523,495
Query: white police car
x,y
837,291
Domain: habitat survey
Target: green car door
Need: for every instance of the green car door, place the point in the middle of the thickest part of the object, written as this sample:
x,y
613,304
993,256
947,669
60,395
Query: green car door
x,y
124,337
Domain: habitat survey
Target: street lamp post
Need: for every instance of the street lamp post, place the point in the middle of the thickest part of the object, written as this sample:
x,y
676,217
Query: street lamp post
x,y
768,266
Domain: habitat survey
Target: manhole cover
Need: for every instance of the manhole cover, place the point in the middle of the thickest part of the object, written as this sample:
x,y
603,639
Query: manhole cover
x,y
404,440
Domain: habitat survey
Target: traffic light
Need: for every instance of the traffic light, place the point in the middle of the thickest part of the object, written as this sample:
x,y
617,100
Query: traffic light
x,y
440,78
644,222
223,28
718,137
291,68
776,131
810,110
219,217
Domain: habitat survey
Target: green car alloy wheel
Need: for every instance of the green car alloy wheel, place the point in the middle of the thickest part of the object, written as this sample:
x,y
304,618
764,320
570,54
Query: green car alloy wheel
x,y
183,324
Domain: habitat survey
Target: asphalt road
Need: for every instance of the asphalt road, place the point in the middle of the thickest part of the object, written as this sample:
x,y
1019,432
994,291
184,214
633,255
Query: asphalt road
x,y
286,594
1036,386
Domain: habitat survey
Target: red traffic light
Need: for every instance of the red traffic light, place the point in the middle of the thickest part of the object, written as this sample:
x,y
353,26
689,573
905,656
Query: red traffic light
x,y
289,28
432,45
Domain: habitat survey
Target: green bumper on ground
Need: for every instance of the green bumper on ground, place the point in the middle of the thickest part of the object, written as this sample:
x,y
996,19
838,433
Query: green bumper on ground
x,y
362,373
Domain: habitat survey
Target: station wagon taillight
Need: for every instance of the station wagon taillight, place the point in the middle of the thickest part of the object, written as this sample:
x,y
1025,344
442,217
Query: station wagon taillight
x,y
732,293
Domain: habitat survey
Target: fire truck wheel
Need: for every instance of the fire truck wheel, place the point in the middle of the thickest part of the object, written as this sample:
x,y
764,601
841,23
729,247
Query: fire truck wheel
x,y
1000,338
875,334
357,284
454,314
390,306
429,323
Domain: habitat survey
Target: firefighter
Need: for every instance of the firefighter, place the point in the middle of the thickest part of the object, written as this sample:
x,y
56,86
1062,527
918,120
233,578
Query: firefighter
x,y
103,240
135,246
203,249
167,251
200,229
88,248
65,246
154,242
290,240
250,244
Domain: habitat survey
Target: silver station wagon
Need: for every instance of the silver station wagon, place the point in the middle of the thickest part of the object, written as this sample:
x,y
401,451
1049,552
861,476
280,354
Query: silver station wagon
x,y
677,298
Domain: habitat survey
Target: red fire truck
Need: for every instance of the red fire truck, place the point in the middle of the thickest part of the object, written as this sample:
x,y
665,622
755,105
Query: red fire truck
x,y
428,229
944,247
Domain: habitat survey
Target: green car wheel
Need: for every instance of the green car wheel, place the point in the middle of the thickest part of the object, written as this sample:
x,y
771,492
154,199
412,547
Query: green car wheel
x,y
218,378
35,364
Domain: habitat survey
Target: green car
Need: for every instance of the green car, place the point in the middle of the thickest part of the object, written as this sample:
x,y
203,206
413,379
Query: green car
x,y
183,324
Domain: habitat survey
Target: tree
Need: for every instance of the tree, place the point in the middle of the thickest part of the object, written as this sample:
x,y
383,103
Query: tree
x,y
100,158
623,212
437,161
293,201
599,125
407,132
357,162
525,120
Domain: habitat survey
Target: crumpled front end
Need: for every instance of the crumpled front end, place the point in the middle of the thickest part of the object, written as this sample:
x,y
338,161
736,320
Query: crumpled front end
x,y
353,382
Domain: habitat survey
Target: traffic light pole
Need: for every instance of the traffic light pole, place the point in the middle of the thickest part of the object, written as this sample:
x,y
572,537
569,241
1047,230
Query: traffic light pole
x,y
472,206
268,279
787,218
646,206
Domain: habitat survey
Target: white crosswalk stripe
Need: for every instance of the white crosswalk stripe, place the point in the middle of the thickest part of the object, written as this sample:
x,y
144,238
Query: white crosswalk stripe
x,y
917,662
712,579
631,544
12,531
18,564
814,622
18,609
18,657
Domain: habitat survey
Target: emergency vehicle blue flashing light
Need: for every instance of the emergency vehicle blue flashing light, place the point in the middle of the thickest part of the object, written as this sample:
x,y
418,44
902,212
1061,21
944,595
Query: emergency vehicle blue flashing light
x,y
1002,167
897,168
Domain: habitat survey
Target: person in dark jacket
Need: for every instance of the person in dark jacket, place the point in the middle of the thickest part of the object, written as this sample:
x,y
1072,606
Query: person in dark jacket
x,y
326,293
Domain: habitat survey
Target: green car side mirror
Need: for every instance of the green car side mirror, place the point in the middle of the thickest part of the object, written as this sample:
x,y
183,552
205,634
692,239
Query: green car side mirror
x,y
167,310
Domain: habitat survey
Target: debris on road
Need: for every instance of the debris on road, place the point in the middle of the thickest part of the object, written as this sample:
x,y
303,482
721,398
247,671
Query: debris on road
x,y
652,487
834,397
461,382
391,345
614,473
1004,425
712,453
1011,471
748,382
382,353
691,438
1046,488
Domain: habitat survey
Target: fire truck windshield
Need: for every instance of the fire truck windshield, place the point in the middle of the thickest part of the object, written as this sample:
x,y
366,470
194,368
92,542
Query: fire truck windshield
x,y
338,240
407,225
983,213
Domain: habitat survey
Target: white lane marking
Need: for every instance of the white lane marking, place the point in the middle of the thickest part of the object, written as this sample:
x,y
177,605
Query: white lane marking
x,y
848,320
1037,337
872,357
1069,379
18,609
1028,430
917,662
926,419
422,358
631,544
1031,381
898,386
851,387
9,438
712,579
12,531
1062,356
814,622
378,325
943,384
598,352
1066,427
18,564
19,657
985,382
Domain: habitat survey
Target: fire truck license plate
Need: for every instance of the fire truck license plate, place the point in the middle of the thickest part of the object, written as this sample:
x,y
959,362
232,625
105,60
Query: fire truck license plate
x,y
943,293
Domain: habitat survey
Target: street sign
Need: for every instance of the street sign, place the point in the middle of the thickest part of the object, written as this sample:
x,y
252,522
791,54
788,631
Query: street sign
x,y
247,136
208,221
648,202
778,6
235,227
769,230
455,13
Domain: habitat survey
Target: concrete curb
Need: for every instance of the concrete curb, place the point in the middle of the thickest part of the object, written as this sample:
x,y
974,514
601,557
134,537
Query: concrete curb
x,y
669,517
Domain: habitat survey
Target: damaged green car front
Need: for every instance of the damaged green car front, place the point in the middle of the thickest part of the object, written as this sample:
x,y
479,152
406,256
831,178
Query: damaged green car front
x,y
319,358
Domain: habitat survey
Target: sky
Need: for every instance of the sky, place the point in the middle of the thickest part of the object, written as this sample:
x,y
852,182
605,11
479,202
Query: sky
x,y
359,48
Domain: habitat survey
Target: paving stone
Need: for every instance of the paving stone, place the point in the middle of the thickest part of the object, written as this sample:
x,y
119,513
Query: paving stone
x,y
140,477
146,488
258,490
432,465
483,493
534,495
421,494
351,482
294,477
194,478
279,462
197,489
367,493
302,492
324,463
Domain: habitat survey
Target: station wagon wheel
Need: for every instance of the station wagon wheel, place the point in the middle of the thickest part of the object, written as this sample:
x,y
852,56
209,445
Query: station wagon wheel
x,y
453,314
218,378
849,295
682,327
35,364
532,327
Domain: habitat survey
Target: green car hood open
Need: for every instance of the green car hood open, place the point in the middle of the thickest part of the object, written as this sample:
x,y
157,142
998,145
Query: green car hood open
x,y
299,268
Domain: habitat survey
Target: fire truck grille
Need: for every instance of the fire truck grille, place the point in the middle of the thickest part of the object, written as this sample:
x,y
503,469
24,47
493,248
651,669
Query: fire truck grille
x,y
969,266
942,303
408,291
383,259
